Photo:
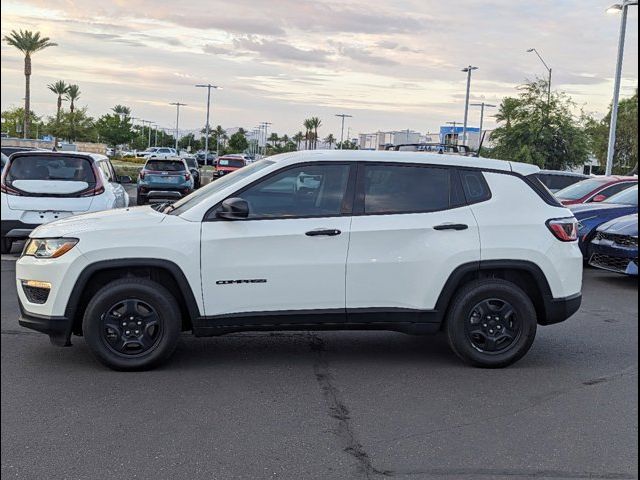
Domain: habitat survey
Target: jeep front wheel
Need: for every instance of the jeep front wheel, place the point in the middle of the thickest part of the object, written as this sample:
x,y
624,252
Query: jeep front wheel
x,y
132,324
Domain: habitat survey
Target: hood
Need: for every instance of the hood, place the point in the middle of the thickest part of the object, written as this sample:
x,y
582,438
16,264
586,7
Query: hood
x,y
132,217
627,225
584,209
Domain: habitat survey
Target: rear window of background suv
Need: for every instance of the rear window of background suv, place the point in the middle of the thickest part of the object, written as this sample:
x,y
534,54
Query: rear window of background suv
x,y
55,168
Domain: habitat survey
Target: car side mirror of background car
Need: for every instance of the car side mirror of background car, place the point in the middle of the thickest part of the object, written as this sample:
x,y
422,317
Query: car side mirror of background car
x,y
124,179
234,209
599,198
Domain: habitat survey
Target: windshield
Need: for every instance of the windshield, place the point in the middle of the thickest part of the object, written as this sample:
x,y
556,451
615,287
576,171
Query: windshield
x,y
580,189
191,163
152,149
231,162
625,197
165,166
214,187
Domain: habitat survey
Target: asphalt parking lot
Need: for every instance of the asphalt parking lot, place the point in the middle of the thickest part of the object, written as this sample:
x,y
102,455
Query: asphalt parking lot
x,y
337,405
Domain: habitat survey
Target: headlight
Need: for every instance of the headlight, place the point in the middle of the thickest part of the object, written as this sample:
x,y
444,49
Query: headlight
x,y
49,247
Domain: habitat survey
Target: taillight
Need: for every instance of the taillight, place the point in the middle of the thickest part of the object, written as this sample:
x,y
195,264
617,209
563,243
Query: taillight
x,y
187,176
141,174
4,188
564,229
99,187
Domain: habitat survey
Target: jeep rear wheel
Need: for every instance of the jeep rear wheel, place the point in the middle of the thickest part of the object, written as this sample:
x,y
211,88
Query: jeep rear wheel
x,y
491,323
132,324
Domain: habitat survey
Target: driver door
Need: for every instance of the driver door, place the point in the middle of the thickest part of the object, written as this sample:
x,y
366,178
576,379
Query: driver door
x,y
289,256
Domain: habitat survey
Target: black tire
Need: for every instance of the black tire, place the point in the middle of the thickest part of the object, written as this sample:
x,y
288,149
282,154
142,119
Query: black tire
x,y
102,313
498,339
141,200
5,245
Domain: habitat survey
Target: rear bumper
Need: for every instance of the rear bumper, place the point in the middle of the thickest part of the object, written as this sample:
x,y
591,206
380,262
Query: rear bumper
x,y
16,229
560,309
58,328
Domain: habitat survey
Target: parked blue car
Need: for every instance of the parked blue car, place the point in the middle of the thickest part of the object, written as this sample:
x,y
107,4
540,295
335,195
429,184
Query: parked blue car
x,y
615,246
591,215
164,179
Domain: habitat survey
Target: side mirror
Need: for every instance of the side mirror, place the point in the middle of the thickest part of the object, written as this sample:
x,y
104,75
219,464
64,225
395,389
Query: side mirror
x,y
124,179
234,209
599,198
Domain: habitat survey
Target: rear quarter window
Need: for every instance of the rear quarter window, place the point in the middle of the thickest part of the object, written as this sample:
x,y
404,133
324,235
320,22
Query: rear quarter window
x,y
475,186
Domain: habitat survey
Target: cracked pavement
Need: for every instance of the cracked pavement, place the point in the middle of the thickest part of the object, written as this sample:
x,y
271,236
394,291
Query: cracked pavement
x,y
330,405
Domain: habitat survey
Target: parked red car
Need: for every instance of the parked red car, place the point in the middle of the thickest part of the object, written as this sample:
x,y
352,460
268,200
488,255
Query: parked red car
x,y
594,189
229,163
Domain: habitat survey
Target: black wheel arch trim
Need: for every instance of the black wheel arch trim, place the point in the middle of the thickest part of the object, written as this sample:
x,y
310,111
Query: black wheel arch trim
x,y
91,269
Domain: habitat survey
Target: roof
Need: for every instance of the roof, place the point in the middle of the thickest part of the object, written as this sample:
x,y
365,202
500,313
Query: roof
x,y
49,153
411,157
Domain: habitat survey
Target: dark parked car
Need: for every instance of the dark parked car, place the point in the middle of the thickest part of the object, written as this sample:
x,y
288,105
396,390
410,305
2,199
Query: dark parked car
x,y
595,189
615,246
194,168
164,180
210,158
591,215
556,180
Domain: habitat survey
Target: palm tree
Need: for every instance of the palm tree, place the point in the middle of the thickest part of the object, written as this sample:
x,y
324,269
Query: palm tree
x,y
298,137
330,139
28,43
121,110
274,139
315,124
73,94
59,88
308,125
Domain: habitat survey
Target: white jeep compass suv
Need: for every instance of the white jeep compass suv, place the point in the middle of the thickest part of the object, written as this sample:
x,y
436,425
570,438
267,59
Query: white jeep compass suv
x,y
404,241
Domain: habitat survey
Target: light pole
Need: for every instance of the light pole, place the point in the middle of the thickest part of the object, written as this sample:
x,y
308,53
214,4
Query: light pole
x,y
208,86
482,107
533,50
155,139
624,8
342,116
468,71
178,105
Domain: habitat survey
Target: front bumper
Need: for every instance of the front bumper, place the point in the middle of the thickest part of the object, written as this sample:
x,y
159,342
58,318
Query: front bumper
x,y
58,328
613,257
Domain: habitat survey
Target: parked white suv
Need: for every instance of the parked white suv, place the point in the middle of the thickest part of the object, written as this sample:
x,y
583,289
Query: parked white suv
x,y
158,152
403,241
39,187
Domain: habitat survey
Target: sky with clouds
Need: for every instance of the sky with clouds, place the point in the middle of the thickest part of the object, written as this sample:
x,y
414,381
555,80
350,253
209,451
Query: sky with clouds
x,y
391,64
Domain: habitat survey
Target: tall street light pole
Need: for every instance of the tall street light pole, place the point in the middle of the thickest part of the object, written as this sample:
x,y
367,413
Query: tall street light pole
x,y
208,86
468,71
624,8
533,50
342,116
178,105
482,107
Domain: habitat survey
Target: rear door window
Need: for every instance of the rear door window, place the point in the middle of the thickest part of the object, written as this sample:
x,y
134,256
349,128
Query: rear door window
x,y
408,189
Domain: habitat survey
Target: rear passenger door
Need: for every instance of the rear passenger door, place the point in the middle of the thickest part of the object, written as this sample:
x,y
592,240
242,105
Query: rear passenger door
x,y
411,228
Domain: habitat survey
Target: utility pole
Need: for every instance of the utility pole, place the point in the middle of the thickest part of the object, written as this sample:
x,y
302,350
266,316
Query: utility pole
x,y
342,116
178,105
155,140
208,86
468,71
482,107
